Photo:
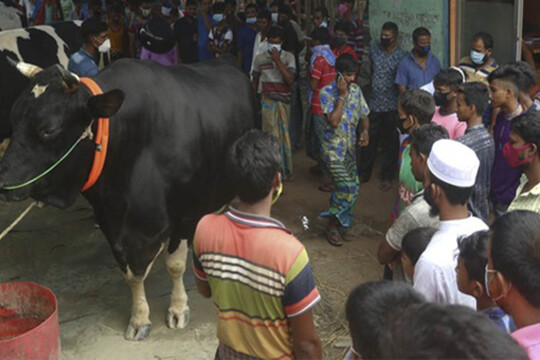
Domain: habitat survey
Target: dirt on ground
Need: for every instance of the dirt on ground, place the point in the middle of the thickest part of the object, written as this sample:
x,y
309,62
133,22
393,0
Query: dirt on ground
x,y
62,250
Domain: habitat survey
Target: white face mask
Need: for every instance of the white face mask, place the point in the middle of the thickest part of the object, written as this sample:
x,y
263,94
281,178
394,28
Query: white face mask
x,y
324,24
275,18
105,46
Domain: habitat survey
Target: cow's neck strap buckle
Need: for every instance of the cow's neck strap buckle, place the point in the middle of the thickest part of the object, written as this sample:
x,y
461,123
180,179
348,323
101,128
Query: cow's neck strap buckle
x,y
101,139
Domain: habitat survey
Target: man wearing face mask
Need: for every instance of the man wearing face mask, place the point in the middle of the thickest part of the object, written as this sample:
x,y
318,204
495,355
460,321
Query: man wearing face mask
x,y
420,66
384,58
274,72
511,277
356,34
246,39
522,152
221,37
320,17
84,62
448,184
479,64
446,86
341,29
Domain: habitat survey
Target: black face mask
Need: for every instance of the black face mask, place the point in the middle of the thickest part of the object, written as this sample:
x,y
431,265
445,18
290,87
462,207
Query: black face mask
x,y
441,99
340,41
428,196
401,127
385,42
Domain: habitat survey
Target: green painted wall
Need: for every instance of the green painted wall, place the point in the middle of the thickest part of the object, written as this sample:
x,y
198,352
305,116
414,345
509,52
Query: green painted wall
x,y
410,14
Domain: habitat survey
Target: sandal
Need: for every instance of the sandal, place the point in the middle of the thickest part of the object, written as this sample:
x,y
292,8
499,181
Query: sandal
x,y
334,238
344,232
328,187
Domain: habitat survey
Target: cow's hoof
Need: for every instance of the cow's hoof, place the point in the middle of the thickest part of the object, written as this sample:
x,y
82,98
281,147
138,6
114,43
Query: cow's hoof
x,y
137,333
176,320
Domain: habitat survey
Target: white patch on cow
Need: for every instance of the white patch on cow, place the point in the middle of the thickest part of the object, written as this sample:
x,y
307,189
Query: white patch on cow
x,y
178,314
8,41
39,89
140,311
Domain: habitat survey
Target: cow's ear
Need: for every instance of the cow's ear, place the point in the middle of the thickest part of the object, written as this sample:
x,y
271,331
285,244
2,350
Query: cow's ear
x,y
105,105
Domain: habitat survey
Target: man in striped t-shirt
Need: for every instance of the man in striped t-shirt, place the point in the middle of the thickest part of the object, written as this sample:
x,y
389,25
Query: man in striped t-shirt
x,y
256,272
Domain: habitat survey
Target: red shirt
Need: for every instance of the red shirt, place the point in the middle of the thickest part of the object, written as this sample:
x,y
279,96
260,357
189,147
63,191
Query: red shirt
x,y
325,74
346,50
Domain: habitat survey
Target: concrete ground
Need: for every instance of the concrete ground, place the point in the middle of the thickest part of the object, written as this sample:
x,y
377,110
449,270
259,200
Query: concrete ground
x,y
61,249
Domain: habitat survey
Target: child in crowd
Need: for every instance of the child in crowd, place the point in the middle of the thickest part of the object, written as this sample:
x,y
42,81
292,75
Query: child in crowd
x,y
414,244
446,85
275,70
471,268
371,308
221,37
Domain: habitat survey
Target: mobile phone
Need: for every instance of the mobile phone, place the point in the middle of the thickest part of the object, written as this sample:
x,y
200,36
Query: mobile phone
x,y
339,76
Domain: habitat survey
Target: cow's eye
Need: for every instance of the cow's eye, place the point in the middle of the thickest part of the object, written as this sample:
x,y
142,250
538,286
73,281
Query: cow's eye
x,y
48,134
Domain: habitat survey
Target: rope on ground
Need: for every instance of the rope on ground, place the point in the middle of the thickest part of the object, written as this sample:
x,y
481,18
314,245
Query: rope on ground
x,y
18,220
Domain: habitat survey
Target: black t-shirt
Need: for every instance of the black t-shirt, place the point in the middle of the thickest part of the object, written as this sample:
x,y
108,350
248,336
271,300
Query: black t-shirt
x,y
185,32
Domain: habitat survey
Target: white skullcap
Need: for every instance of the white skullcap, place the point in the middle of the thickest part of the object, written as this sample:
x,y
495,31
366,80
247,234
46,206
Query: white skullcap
x,y
453,163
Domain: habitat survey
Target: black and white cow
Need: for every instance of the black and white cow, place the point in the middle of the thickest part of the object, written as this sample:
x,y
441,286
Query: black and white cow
x,y
170,129
11,17
43,46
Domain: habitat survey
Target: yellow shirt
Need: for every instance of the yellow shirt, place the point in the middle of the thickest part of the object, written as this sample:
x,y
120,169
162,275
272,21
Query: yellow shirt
x,y
117,39
526,201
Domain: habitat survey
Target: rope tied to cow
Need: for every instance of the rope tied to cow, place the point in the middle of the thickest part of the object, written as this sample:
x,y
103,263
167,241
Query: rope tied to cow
x,y
19,218
86,134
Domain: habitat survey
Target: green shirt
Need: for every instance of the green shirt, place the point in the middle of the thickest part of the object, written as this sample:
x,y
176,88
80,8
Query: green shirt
x,y
408,186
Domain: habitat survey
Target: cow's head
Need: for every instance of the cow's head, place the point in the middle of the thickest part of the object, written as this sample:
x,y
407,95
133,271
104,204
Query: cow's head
x,y
47,119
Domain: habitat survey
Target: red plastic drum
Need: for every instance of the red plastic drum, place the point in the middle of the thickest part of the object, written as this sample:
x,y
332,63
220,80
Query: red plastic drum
x,y
28,322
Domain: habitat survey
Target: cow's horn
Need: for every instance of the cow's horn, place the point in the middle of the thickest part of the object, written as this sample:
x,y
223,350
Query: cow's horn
x,y
26,69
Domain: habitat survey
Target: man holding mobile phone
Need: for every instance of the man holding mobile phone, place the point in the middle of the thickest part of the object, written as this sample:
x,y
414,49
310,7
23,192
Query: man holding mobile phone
x,y
343,106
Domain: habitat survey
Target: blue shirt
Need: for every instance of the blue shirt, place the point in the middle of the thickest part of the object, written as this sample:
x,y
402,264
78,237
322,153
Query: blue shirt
x,y
246,41
412,75
384,92
501,319
83,64
202,42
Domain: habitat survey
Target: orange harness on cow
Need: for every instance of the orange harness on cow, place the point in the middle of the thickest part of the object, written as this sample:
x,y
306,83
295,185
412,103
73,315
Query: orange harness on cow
x,y
101,139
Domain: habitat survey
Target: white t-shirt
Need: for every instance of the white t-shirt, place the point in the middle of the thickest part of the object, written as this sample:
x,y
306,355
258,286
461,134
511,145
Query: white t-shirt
x,y
434,273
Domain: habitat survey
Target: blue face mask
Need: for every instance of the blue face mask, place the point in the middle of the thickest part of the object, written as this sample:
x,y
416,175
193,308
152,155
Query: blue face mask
x,y
477,57
251,20
275,18
217,17
324,24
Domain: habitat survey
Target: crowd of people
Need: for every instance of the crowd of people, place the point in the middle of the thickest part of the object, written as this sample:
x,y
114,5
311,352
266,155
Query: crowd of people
x,y
463,252
462,255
